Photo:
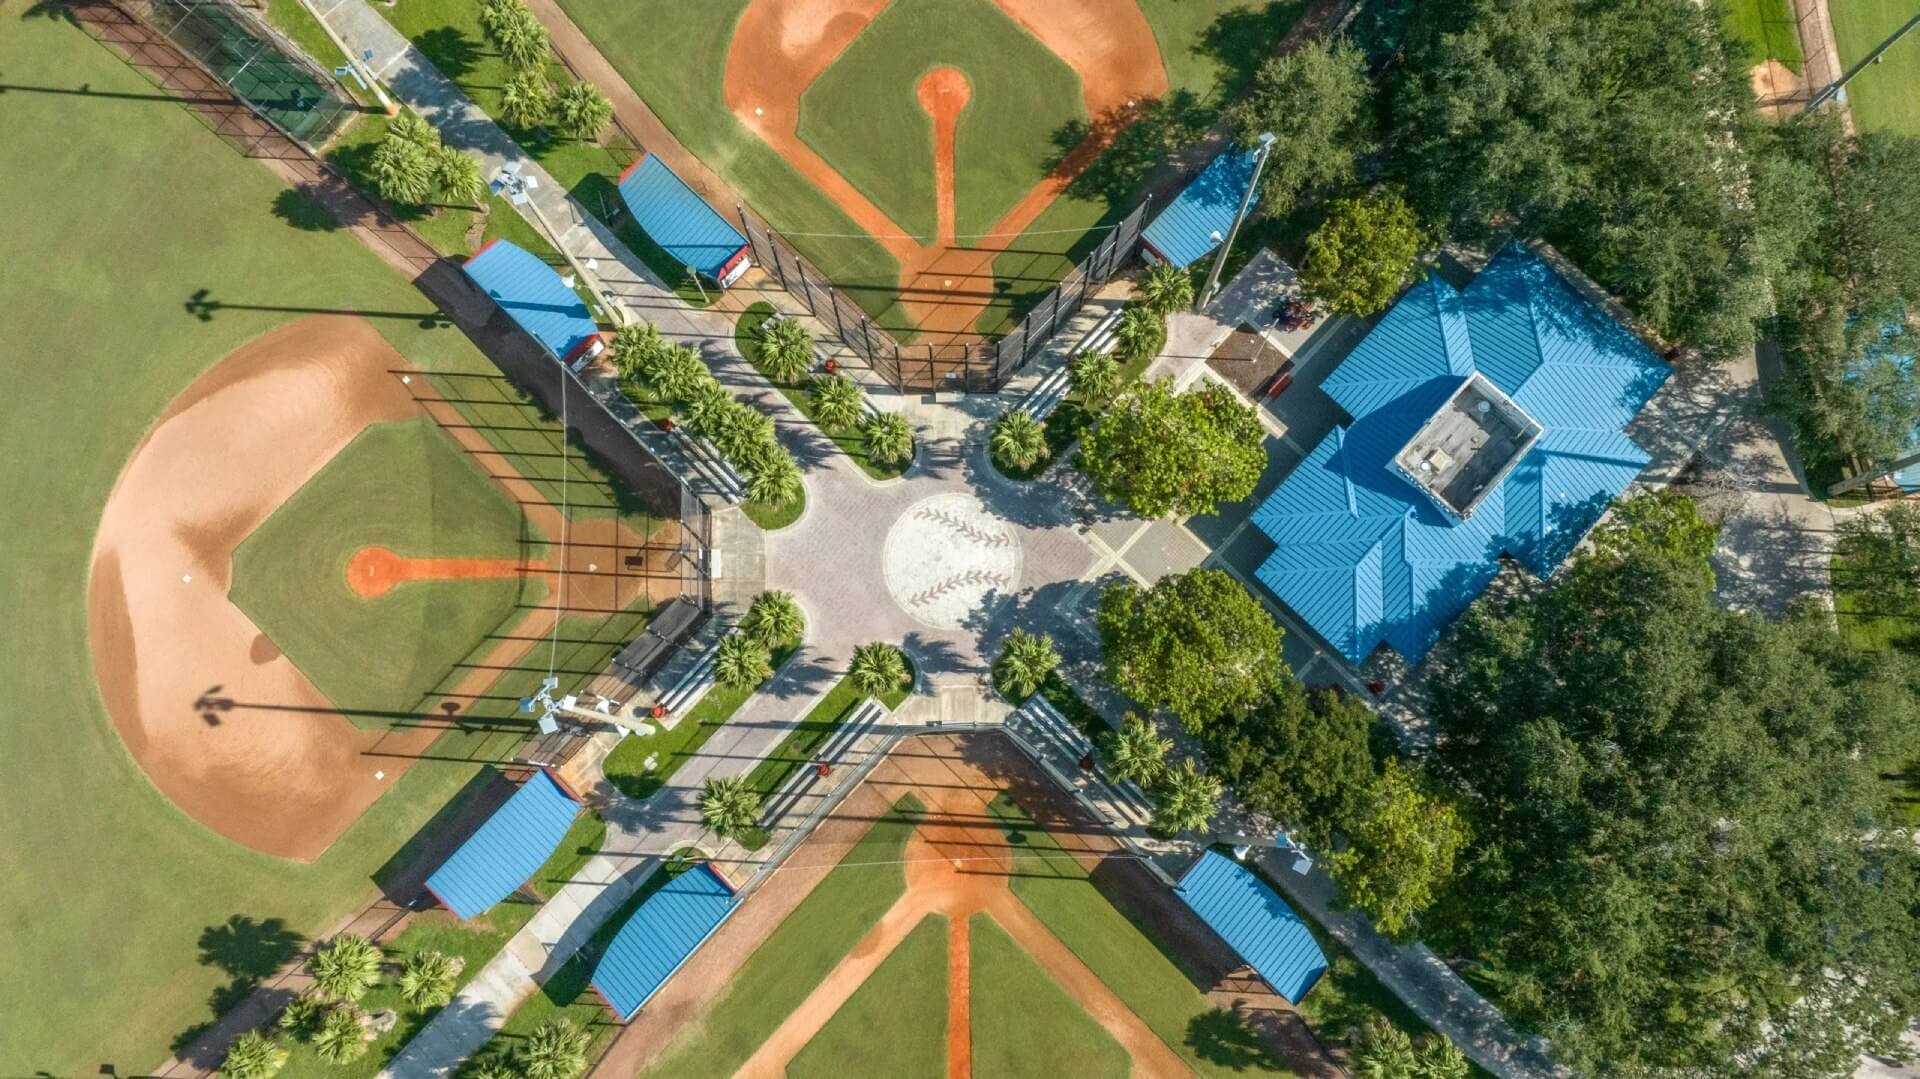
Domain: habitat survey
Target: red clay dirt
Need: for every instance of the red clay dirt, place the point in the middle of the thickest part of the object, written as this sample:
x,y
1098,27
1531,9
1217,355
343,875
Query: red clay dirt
x,y
221,722
958,863
372,572
944,93
780,47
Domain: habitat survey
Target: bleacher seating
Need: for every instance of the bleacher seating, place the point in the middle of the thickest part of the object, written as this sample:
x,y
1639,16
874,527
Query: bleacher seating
x,y
1052,389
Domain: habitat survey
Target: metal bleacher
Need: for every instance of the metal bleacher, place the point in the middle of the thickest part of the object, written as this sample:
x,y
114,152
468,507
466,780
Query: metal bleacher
x,y
1059,747
1052,389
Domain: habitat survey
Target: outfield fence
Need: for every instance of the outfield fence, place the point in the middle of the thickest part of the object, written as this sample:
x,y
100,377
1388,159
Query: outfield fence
x,y
955,367
254,61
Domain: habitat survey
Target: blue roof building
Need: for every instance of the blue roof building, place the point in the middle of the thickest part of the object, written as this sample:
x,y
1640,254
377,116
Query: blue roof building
x,y
668,928
681,222
536,298
1255,922
1196,221
513,843
1486,421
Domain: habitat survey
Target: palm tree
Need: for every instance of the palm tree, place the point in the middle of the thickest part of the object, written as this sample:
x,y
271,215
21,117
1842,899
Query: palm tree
x,y
526,99
889,438
302,1015
774,480
522,41
1140,333
427,981
636,347
677,371
877,668
1166,289
1138,752
729,806
709,408
346,968
401,171
786,350
741,662
583,111
774,619
1383,1051
456,177
1019,440
1188,798
1441,1059
495,14
342,1036
746,437
1094,376
557,1050
493,1068
1025,661
837,402
253,1055
410,127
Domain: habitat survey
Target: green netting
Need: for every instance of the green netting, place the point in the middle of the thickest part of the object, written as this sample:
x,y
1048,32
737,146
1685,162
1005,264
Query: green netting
x,y
256,65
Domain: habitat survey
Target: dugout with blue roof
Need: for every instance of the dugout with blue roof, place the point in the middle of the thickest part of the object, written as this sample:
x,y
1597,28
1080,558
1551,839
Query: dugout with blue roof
x,y
1196,221
536,298
1255,922
509,848
667,929
1486,421
681,222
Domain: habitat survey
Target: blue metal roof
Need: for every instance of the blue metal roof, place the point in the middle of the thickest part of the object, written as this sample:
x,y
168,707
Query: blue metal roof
x,y
1256,922
1183,232
513,843
1365,557
534,295
677,219
668,928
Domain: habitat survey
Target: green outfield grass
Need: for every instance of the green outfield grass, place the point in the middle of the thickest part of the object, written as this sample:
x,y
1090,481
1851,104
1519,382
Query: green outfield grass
x,y
1064,897
1766,28
136,206
809,943
906,998
404,486
1884,95
1023,1023
863,114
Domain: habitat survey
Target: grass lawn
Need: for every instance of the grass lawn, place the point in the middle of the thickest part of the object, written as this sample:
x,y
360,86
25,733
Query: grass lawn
x,y
1884,94
104,172
404,486
905,997
812,732
474,942
1062,895
809,943
746,339
448,33
1865,622
1767,29
1023,1023
864,117
292,18
626,766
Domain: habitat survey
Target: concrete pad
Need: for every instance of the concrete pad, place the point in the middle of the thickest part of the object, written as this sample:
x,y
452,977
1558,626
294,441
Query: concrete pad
x,y
1165,548
1115,531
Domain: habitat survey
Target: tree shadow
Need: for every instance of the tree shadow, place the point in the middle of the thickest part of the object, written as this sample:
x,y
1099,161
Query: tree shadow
x,y
1223,1038
247,949
302,211
1138,139
450,50
1242,38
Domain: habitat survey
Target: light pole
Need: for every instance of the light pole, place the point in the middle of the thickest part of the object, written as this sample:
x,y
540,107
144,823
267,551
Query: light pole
x,y
510,182
1833,88
1246,201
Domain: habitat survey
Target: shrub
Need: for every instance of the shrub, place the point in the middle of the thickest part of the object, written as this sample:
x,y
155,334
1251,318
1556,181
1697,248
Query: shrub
x,y
1165,289
346,968
253,1055
427,981
773,619
877,668
786,349
729,806
303,1014
889,438
837,402
741,662
774,479
1025,661
1019,440
342,1036
1094,377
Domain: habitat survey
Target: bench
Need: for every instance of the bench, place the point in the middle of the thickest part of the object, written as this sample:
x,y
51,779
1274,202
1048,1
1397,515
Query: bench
x,y
1052,389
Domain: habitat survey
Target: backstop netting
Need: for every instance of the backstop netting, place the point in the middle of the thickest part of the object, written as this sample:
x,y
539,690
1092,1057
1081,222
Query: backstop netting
x,y
255,62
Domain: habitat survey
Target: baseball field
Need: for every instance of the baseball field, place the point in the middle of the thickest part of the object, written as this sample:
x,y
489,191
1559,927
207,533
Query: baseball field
x,y
957,915
231,424
943,161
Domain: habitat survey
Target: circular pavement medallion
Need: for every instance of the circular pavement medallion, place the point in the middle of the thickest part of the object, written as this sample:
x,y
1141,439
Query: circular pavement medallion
x,y
948,558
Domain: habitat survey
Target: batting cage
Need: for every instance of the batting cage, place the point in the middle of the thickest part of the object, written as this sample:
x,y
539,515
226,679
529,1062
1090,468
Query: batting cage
x,y
255,62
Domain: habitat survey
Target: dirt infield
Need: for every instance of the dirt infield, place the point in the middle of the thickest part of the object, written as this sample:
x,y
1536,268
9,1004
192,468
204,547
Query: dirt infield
x,y
226,453
959,863
221,722
781,46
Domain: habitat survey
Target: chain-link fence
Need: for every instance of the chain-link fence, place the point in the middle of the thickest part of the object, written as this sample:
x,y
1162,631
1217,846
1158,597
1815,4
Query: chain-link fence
x,y
254,61
961,367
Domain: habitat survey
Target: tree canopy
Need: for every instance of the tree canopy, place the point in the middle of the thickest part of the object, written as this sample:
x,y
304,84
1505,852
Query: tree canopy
x,y
1299,757
1679,837
1158,452
1317,100
1196,644
1362,253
